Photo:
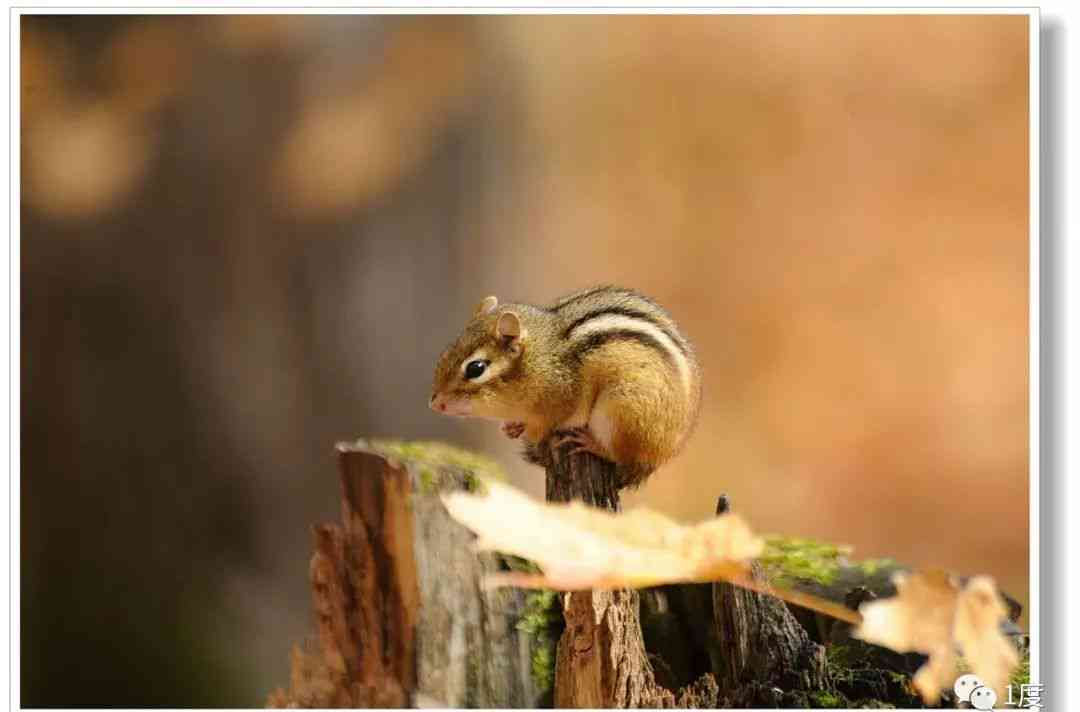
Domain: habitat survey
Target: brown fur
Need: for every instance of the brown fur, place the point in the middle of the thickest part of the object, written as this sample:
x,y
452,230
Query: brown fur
x,y
546,379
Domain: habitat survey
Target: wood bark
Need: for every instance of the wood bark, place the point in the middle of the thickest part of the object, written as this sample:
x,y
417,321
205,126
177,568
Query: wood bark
x,y
768,655
601,660
401,616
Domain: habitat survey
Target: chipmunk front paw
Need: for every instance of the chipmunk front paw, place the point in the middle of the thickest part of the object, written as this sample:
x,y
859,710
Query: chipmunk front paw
x,y
581,438
513,429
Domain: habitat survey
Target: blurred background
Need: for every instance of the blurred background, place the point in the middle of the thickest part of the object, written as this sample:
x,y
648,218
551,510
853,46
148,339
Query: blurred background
x,y
247,237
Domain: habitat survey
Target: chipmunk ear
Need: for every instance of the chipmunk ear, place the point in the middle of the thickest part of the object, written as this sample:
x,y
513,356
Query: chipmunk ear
x,y
487,306
509,327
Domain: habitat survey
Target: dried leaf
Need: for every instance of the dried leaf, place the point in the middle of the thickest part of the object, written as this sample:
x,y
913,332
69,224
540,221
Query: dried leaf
x,y
932,614
579,547
979,612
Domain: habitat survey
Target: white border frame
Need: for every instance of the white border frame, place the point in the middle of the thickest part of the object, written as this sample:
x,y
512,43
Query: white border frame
x,y
1034,350
12,591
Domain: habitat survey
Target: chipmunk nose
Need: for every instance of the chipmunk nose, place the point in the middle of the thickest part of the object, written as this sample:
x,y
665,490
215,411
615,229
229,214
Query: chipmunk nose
x,y
437,403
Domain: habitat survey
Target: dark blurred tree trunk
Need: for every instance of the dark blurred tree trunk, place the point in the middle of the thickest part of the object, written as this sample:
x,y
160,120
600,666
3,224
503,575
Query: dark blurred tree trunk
x,y
198,338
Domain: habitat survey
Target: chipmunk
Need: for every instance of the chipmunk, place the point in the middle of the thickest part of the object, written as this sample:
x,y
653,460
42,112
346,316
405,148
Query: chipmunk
x,y
605,369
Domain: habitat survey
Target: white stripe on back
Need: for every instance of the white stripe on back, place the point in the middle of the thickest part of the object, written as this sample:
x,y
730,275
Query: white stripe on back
x,y
619,322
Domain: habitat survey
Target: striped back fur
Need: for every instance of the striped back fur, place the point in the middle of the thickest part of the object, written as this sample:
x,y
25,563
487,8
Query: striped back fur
x,y
596,316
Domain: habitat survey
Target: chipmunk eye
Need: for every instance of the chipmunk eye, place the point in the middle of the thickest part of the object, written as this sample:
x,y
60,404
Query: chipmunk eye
x,y
475,369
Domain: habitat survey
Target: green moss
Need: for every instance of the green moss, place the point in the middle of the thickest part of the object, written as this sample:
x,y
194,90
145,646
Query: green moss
x,y
872,566
898,678
828,700
791,559
516,563
543,668
541,618
853,670
426,457
539,611
839,660
427,478
1020,676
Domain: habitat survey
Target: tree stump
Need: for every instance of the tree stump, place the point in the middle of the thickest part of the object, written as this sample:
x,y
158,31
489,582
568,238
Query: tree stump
x,y
401,617
767,654
601,659
403,620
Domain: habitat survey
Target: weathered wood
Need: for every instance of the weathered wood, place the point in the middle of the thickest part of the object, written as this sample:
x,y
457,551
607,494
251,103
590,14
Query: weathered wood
x,y
581,477
767,654
401,616
601,659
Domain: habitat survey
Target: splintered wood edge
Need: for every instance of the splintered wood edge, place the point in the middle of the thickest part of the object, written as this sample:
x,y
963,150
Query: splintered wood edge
x,y
358,445
364,570
378,521
434,466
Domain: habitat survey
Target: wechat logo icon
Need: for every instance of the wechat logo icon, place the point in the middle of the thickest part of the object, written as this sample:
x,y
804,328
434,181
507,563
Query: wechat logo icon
x,y
969,688
983,698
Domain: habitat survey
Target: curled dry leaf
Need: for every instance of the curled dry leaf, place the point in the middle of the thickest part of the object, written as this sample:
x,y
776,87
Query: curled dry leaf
x,y
932,614
977,629
579,547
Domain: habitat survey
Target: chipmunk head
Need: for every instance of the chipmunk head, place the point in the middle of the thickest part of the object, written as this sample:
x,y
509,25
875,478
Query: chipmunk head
x,y
471,377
